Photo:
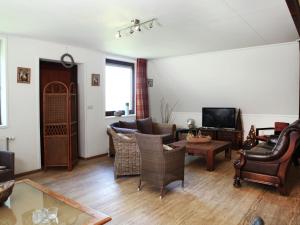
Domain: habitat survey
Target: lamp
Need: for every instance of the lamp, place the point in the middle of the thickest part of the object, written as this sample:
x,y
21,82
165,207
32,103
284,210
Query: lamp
x,y
136,26
118,35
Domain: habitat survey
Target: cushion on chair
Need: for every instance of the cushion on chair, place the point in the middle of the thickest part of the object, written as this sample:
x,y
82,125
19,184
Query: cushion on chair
x,y
124,130
128,125
145,125
261,167
2,167
124,136
261,149
167,148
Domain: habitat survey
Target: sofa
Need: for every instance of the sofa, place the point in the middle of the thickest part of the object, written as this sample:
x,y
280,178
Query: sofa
x,y
145,126
7,162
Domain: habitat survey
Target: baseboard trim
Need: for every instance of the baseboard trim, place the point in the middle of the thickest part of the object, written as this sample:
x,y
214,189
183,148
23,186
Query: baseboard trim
x,y
27,173
39,170
94,157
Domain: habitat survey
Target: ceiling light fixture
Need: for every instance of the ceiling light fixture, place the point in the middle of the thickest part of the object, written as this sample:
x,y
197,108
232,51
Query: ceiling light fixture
x,y
136,26
151,25
118,35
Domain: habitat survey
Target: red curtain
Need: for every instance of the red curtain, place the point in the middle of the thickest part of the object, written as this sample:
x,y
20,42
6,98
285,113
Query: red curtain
x,y
142,100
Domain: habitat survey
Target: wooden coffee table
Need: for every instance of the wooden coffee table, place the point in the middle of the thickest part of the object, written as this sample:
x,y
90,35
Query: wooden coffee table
x,y
208,150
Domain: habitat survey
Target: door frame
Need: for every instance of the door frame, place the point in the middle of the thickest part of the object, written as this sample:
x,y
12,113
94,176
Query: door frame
x,y
40,127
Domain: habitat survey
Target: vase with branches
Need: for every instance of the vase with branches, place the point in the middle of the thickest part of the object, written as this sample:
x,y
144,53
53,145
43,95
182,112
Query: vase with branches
x,y
166,110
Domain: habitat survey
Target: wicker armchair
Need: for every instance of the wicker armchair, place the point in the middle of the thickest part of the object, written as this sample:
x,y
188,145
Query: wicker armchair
x,y
127,155
158,166
7,159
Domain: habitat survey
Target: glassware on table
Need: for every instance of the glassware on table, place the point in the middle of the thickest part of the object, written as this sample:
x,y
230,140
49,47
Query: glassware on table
x,y
45,216
40,216
37,216
52,213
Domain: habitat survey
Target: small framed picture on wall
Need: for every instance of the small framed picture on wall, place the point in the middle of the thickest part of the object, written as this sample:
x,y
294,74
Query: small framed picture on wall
x,y
95,80
23,75
150,82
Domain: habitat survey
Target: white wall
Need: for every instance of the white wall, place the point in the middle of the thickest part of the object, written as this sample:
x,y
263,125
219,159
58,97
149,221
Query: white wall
x,y
23,100
262,81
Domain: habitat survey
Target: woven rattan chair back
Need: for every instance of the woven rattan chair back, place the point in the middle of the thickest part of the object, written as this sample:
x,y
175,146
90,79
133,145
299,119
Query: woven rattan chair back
x,y
127,154
152,158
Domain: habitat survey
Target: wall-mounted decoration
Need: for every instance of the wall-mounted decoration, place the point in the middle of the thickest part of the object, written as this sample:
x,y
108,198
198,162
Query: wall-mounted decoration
x,y
68,64
23,75
95,80
150,82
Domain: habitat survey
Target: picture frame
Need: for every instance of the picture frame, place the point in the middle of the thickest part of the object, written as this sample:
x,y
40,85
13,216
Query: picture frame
x,y
95,80
23,75
149,82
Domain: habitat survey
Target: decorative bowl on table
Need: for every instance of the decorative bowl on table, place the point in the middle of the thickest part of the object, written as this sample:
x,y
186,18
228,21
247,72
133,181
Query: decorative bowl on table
x,y
190,138
6,189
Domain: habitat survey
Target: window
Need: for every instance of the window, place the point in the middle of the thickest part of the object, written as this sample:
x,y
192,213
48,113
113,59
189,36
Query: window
x,y
3,118
119,87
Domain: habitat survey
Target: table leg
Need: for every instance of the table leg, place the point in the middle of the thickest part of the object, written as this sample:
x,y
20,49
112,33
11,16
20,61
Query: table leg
x,y
228,153
210,161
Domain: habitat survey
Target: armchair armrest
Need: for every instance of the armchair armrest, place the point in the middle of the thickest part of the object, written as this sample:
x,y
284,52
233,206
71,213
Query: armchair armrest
x,y
175,158
164,128
7,159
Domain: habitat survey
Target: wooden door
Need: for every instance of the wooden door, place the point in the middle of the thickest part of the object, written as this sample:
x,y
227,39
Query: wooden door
x,y
58,113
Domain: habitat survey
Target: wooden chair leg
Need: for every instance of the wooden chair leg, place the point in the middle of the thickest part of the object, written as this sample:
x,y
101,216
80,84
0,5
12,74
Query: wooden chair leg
x,y
182,183
282,190
161,192
237,182
140,185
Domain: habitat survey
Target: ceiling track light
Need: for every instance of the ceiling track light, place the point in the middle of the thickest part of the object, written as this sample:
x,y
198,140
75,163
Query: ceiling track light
x,y
118,34
136,26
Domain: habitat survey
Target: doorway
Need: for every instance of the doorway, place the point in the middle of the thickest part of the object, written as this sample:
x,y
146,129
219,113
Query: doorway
x,y
58,115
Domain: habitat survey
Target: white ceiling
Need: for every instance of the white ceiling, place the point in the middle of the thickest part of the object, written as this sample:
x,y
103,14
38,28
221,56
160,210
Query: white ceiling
x,y
186,26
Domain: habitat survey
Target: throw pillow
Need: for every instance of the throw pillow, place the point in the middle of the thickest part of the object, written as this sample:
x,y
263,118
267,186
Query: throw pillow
x,y
124,136
128,125
145,125
124,130
2,167
167,148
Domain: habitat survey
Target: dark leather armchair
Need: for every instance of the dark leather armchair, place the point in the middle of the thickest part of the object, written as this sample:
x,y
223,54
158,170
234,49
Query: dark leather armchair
x,y
158,166
269,165
7,159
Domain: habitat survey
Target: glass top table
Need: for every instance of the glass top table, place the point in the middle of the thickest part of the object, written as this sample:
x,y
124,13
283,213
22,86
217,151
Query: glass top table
x,y
29,196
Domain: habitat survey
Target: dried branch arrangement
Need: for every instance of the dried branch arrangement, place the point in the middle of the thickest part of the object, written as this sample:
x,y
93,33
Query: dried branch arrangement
x,y
166,110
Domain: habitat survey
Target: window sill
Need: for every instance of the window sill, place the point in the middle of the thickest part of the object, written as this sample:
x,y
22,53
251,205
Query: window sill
x,y
113,117
3,126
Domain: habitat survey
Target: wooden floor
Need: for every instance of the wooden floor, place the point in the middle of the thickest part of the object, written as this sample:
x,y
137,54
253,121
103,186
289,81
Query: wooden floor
x,y
207,199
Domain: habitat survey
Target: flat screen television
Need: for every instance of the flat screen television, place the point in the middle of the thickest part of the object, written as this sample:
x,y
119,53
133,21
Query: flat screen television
x,y
218,117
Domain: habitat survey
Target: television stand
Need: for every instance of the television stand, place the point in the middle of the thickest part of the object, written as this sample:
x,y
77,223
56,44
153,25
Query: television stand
x,y
234,135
